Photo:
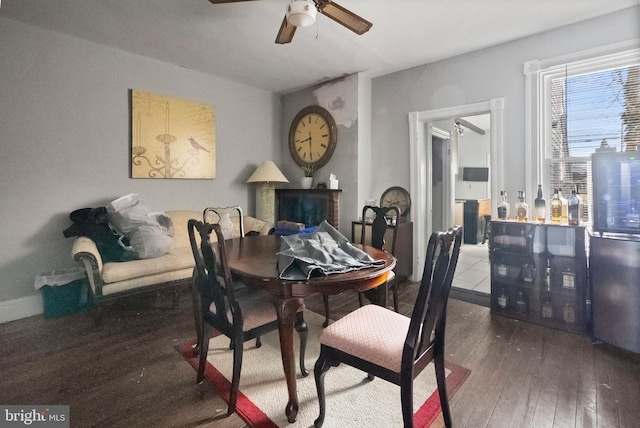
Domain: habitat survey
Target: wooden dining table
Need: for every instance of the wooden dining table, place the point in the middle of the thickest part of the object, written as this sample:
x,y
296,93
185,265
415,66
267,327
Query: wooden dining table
x,y
253,259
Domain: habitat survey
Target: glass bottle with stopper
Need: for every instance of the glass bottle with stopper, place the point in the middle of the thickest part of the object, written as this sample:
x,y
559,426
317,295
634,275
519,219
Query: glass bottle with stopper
x,y
522,208
503,206
573,209
556,208
540,206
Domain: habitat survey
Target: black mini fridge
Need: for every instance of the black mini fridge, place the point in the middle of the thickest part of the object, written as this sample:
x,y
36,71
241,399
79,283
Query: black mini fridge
x,y
614,249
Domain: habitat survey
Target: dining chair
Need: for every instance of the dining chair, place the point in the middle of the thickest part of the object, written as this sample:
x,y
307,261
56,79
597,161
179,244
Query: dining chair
x,y
223,216
240,313
378,227
392,346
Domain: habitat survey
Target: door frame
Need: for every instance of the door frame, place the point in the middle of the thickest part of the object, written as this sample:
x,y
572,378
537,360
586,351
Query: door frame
x,y
420,146
447,173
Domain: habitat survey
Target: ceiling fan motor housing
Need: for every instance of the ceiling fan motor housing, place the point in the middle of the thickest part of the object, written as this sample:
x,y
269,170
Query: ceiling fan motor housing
x,y
301,13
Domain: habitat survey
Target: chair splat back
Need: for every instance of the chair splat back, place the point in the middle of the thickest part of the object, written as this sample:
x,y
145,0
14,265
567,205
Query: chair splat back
x,y
427,325
211,289
216,214
379,227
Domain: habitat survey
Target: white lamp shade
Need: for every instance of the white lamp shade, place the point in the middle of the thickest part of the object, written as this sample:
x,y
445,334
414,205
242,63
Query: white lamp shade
x,y
301,13
267,172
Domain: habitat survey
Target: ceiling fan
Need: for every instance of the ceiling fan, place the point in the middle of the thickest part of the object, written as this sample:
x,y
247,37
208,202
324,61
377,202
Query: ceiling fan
x,y
301,13
461,122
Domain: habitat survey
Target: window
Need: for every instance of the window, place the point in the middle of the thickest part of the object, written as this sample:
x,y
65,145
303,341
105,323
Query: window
x,y
582,104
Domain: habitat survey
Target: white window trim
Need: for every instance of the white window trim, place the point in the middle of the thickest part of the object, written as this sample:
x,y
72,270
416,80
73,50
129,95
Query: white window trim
x,y
537,73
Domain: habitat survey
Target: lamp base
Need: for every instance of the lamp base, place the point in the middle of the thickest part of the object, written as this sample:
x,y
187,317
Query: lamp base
x,y
265,202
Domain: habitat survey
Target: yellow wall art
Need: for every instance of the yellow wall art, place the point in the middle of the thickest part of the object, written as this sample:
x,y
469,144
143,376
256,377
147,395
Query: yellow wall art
x,y
171,137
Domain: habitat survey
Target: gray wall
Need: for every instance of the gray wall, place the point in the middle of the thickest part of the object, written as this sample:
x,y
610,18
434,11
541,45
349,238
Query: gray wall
x,y
474,77
65,144
340,98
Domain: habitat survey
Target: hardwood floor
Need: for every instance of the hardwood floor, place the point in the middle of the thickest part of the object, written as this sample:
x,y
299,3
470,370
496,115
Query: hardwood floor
x,y
130,375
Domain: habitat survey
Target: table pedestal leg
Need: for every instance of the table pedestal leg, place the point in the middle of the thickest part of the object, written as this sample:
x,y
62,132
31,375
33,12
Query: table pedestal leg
x,y
286,310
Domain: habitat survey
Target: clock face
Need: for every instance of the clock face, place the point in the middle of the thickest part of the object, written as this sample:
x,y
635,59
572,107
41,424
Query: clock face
x,y
312,136
396,197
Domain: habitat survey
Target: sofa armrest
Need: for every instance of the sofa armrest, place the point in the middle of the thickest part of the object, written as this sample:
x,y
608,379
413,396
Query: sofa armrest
x,y
85,250
252,224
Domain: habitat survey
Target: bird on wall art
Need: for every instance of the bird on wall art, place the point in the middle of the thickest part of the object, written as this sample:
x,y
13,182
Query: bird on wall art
x,y
197,145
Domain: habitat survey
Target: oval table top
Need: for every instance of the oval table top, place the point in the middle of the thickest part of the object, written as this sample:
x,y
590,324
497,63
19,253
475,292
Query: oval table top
x,y
254,259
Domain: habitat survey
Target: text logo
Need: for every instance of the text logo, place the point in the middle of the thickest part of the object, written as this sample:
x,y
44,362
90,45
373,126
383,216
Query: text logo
x,y
34,416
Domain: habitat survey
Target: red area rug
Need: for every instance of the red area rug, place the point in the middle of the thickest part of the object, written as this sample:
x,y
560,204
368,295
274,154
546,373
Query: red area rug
x,y
351,400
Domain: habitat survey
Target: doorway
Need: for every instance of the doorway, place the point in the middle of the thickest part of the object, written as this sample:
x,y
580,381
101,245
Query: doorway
x,y
421,167
461,162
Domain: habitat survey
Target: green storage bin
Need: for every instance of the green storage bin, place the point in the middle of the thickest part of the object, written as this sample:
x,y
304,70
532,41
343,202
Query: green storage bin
x,y
64,292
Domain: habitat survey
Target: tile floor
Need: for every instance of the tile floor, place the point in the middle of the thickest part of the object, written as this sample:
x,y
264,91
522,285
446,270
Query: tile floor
x,y
472,271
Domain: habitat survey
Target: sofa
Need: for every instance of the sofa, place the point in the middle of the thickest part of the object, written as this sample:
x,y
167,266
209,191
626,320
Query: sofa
x,y
172,271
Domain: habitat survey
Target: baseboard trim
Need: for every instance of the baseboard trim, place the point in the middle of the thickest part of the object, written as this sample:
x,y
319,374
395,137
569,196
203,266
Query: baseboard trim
x,y
482,299
23,307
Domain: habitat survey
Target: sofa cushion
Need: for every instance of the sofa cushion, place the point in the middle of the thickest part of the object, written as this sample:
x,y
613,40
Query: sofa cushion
x,y
176,259
145,281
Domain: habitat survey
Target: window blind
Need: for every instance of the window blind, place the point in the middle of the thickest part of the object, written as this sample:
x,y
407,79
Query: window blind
x,y
586,111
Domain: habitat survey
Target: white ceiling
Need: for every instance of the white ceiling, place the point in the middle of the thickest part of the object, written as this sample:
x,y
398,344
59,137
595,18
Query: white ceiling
x,y
236,41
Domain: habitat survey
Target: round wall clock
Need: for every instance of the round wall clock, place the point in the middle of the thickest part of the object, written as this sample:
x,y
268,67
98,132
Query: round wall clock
x,y
312,137
398,197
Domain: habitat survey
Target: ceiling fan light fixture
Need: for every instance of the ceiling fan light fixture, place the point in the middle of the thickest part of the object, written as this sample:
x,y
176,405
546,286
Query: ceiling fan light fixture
x,y
301,13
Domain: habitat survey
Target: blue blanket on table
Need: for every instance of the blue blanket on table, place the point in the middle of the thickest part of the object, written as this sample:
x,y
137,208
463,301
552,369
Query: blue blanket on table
x,y
324,251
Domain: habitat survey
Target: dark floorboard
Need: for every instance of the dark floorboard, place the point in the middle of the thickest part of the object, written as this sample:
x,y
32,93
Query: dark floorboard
x,y
129,374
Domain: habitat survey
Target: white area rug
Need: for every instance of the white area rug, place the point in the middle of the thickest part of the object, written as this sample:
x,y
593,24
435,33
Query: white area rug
x,y
352,400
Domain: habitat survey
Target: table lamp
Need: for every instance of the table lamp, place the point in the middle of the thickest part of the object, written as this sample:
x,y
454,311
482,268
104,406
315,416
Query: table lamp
x,y
266,175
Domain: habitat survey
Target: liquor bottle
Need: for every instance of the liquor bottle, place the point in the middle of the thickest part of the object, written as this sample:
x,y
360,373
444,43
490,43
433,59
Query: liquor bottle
x,y
503,206
565,218
580,204
522,208
569,313
556,208
521,305
502,300
547,276
573,209
568,278
547,308
528,273
540,206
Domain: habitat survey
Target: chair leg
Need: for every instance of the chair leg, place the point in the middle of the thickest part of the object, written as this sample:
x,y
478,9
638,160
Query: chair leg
x,y
394,288
203,345
406,399
438,361
303,331
323,364
197,319
235,377
361,299
258,342
325,300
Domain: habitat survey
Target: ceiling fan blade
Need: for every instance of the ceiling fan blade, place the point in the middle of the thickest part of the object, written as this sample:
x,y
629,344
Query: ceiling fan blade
x,y
226,1
286,32
343,16
469,125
